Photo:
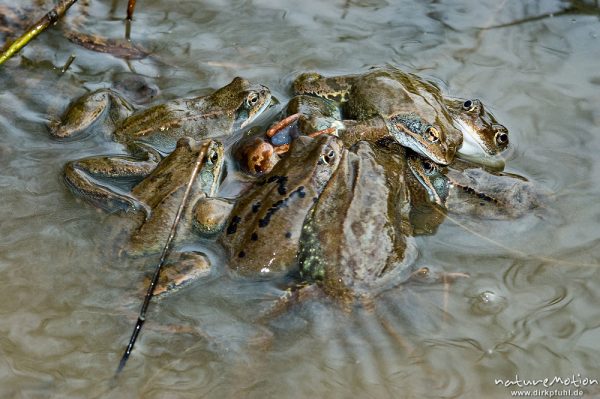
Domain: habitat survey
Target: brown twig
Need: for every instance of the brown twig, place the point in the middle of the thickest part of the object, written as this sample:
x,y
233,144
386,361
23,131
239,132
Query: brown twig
x,y
130,8
47,20
116,47
281,124
329,130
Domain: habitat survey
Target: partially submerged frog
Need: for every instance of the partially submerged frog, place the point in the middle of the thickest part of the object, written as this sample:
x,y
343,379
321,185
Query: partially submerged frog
x,y
356,241
162,193
482,136
220,113
467,189
264,227
409,114
333,216
415,117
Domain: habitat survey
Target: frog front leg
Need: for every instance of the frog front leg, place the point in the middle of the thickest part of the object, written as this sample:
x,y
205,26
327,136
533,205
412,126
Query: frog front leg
x,y
101,105
84,177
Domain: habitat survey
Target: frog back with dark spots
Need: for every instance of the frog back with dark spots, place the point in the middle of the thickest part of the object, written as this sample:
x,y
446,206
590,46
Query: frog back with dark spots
x,y
262,233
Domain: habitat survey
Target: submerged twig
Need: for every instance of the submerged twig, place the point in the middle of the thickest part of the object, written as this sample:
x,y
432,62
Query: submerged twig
x,y
49,19
67,64
130,8
116,47
166,250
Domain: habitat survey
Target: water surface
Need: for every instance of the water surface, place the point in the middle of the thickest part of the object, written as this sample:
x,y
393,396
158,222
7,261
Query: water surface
x,y
528,309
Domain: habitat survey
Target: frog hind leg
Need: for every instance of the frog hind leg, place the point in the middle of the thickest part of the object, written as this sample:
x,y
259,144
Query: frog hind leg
x,y
84,177
82,115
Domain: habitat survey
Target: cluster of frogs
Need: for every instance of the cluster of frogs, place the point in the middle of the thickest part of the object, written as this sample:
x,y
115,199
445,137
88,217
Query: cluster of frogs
x,y
335,191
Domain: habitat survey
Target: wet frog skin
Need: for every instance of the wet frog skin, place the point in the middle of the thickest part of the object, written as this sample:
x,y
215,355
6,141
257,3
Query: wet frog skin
x,y
228,109
162,192
315,113
220,113
483,136
262,233
466,189
357,241
413,115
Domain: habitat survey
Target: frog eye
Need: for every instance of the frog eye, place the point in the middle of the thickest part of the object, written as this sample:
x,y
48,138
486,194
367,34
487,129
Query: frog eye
x,y
213,157
429,167
501,138
468,105
432,134
328,157
252,99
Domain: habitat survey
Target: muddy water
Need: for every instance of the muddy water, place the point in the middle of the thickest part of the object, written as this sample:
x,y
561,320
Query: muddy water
x,y
529,307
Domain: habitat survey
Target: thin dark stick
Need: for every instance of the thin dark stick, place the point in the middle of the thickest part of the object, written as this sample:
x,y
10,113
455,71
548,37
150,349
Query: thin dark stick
x,y
47,20
67,64
166,250
130,8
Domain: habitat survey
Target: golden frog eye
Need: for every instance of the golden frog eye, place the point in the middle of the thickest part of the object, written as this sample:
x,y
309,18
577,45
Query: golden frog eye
x,y
252,98
432,134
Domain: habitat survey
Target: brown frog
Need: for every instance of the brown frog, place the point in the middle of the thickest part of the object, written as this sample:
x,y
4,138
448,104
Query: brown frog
x,y
161,194
356,241
413,115
159,127
467,189
482,136
262,233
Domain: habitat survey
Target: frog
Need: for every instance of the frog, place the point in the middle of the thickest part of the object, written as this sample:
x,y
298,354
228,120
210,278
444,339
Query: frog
x,y
482,136
150,133
357,240
467,189
162,193
262,233
413,115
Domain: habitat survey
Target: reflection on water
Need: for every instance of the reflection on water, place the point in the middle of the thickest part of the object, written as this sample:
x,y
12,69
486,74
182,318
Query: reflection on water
x,y
528,308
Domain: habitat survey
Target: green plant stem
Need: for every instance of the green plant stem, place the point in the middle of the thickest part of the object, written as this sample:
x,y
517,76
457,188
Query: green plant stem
x,y
47,20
